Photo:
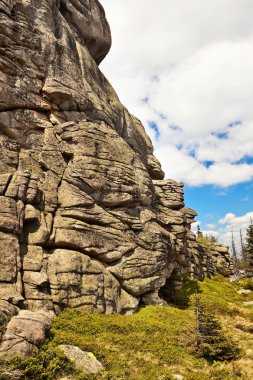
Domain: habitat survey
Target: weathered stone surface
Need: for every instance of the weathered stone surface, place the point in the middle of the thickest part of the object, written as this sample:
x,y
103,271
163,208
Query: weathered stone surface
x,y
244,291
24,333
11,293
153,298
7,311
4,181
10,215
145,270
170,193
221,259
9,253
78,281
89,22
32,258
86,217
84,361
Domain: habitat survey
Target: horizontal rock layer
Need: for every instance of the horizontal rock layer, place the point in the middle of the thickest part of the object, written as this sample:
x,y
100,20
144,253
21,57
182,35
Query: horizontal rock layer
x,y
86,217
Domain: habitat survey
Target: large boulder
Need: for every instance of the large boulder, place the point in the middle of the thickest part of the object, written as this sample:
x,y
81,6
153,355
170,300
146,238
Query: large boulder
x,y
24,333
83,361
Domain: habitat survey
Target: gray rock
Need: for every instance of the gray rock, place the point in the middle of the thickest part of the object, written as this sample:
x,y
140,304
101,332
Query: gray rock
x,y
84,361
248,303
24,333
244,291
178,377
87,219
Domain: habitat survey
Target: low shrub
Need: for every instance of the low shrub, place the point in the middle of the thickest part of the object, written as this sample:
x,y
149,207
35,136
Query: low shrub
x,y
45,365
246,283
211,341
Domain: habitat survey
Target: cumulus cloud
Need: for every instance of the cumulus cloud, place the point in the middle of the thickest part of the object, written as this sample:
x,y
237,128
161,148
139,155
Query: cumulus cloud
x,y
186,67
227,225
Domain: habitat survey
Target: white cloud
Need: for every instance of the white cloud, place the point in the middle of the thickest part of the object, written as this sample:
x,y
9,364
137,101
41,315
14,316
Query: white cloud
x,y
193,61
227,218
180,166
228,224
210,233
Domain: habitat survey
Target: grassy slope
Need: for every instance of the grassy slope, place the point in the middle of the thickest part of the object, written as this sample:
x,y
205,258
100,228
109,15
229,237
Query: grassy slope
x,y
158,341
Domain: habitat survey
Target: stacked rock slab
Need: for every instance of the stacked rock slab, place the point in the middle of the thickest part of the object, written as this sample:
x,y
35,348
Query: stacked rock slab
x,y
86,218
192,258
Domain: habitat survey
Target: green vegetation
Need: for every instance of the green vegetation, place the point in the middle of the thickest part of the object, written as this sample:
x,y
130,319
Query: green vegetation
x,y
211,342
141,346
247,283
183,298
155,342
246,254
249,244
249,237
48,364
209,241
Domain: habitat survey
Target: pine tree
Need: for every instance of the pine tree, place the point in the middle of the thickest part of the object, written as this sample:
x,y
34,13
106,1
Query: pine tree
x,y
249,245
211,343
199,232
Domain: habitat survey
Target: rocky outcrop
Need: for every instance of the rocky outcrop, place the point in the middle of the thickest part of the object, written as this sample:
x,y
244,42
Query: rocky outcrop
x,y
86,217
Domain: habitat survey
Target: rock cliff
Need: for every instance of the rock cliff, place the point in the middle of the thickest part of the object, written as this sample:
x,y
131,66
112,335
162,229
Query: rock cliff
x,y
86,217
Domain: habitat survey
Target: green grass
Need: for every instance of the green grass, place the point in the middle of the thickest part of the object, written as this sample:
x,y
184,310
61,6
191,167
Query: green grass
x,y
221,297
247,284
155,342
47,364
208,242
133,346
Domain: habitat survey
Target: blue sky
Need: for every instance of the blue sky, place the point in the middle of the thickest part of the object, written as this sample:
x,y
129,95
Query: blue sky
x,y
213,203
184,67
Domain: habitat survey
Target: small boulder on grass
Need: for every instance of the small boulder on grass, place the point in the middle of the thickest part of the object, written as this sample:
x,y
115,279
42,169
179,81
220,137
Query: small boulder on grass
x,y
83,361
249,303
177,377
244,291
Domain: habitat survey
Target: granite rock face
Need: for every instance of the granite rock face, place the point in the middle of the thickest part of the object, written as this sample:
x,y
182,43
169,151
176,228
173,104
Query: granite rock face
x,y
24,333
86,217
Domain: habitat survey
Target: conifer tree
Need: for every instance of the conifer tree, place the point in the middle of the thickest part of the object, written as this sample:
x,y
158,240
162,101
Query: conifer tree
x,y
211,342
199,232
249,245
